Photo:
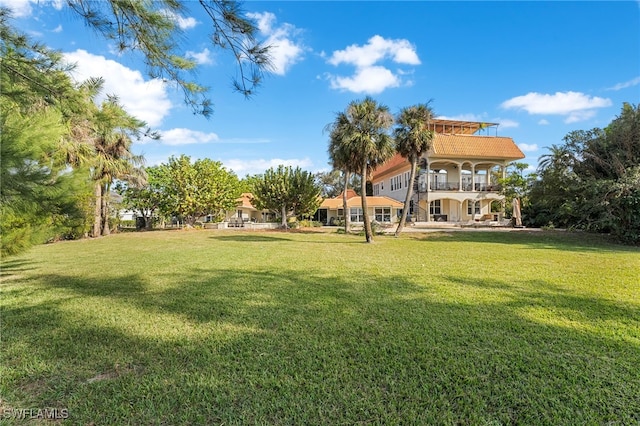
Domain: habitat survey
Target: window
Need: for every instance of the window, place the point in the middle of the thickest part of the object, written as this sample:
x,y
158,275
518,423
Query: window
x,y
435,207
396,183
383,214
471,209
356,214
406,179
376,189
340,212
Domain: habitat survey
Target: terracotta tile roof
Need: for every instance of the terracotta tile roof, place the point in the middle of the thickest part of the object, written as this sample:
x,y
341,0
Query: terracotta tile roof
x,y
459,146
372,201
469,146
396,162
245,201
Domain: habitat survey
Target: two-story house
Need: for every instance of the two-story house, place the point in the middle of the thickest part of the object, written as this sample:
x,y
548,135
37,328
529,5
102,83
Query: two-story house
x,y
458,178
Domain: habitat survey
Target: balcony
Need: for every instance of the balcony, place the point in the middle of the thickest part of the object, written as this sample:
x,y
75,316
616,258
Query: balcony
x,y
455,186
445,186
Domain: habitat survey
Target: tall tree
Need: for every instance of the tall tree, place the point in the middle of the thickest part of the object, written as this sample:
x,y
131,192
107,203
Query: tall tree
x,y
413,138
35,187
42,196
286,191
113,131
197,189
342,158
151,28
364,131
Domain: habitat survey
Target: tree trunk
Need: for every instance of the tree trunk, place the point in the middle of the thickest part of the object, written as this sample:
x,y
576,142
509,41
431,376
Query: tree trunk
x,y
148,225
284,224
106,230
367,223
407,200
345,209
97,212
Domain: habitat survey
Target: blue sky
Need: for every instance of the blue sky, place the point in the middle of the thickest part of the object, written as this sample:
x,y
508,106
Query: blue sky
x,y
539,69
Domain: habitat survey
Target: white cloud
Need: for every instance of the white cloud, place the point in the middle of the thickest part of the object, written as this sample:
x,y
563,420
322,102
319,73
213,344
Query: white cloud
x,y
182,136
506,123
543,122
182,22
251,167
146,100
630,83
57,4
285,51
576,116
377,49
370,80
19,8
370,77
525,147
22,8
201,58
57,29
575,105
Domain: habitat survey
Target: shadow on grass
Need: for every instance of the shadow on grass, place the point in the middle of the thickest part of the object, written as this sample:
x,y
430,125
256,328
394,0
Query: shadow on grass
x,y
249,237
229,346
12,268
564,303
559,240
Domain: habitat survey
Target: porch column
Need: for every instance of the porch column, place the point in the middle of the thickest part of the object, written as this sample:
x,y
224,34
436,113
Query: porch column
x,y
428,209
473,177
459,177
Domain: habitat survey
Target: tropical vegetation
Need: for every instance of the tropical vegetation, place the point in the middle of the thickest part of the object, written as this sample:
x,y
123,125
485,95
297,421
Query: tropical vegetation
x,y
592,180
61,153
413,139
360,142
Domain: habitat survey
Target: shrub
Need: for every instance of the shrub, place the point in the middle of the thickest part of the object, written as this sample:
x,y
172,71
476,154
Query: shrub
x,y
309,224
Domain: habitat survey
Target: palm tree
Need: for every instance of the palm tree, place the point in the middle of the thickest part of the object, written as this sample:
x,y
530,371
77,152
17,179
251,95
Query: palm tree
x,y
364,132
113,157
341,158
413,138
559,159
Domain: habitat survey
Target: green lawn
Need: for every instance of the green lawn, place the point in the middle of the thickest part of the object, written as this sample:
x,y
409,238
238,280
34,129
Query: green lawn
x,y
212,327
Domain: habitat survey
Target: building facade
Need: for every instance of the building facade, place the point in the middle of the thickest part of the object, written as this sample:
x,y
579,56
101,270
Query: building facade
x,y
457,180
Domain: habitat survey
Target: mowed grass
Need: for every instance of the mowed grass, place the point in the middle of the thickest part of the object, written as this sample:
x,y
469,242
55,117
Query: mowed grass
x,y
223,327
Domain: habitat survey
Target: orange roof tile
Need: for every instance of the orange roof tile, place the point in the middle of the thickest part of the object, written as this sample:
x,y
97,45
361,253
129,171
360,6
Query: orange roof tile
x,y
469,146
459,146
396,162
372,201
245,201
